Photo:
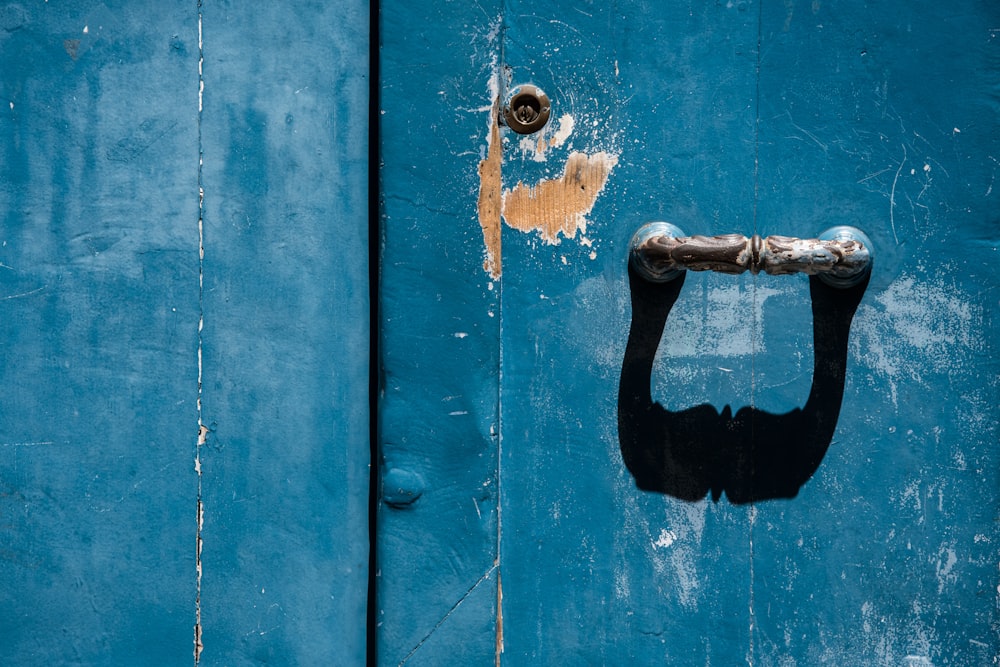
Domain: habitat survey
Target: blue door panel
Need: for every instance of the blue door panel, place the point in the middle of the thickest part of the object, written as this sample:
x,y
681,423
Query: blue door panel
x,y
98,300
439,319
889,554
593,568
184,441
284,462
869,539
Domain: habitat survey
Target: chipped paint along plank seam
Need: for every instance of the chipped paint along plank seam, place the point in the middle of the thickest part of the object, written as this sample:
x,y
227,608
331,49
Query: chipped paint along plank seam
x,y
552,207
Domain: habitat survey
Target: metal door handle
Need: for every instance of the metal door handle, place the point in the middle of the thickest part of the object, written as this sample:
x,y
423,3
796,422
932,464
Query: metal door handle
x,y
841,256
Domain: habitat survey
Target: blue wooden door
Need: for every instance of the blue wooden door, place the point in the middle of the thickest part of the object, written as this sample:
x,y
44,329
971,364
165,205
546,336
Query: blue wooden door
x,y
531,507
184,321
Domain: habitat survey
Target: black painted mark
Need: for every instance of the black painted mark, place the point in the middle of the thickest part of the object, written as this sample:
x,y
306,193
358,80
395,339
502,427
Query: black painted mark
x,y
72,48
751,455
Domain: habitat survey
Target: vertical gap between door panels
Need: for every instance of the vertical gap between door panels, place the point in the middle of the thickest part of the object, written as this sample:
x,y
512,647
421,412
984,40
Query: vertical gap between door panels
x,y
755,329
502,88
202,430
374,349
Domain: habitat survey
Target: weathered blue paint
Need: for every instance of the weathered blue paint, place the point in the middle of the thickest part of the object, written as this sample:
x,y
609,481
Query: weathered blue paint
x,y
285,340
437,583
100,309
594,570
877,545
888,121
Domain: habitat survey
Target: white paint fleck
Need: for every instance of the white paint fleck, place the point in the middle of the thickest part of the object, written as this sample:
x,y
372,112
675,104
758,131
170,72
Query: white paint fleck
x,y
535,146
559,137
528,145
945,567
461,334
622,587
457,413
675,552
911,496
666,538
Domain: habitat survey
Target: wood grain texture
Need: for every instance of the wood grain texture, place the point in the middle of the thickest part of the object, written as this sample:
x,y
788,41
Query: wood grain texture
x,y
491,194
559,206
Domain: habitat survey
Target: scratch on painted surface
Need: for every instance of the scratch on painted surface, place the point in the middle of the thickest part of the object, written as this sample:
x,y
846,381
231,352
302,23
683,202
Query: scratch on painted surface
x,y
199,645
485,577
27,444
21,295
560,206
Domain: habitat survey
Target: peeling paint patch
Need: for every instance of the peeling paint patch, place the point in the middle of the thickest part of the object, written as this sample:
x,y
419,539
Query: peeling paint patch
x,y
535,146
559,206
716,325
566,124
490,196
947,559
551,207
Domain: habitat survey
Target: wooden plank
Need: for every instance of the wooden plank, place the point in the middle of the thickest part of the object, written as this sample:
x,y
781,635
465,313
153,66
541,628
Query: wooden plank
x,y
98,318
891,546
594,569
887,122
284,465
437,516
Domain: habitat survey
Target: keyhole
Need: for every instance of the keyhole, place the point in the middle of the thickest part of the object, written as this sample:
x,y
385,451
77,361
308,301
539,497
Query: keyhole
x,y
528,110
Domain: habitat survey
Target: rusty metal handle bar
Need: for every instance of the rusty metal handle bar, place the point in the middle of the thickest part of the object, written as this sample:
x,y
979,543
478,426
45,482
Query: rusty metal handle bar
x,y
841,256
